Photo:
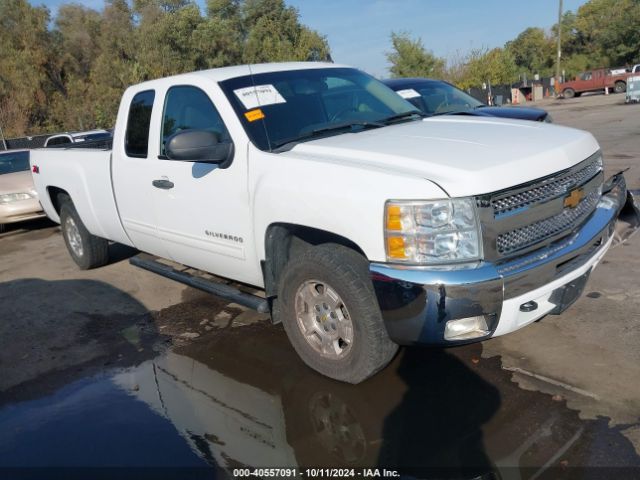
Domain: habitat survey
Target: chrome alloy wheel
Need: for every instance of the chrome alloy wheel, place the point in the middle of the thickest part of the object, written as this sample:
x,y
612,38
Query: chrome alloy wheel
x,y
73,236
323,319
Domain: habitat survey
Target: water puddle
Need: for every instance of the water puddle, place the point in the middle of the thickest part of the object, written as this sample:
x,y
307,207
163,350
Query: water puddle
x,y
242,398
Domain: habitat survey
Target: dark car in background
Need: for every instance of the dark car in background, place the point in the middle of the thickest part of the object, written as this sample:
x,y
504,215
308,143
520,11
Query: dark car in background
x,y
436,97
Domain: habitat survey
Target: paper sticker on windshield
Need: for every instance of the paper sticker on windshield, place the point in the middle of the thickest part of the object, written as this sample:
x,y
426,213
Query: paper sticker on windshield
x,y
253,115
408,93
259,96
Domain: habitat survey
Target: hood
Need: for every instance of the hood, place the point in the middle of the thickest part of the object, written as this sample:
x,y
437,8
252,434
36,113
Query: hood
x,y
463,155
519,113
17,182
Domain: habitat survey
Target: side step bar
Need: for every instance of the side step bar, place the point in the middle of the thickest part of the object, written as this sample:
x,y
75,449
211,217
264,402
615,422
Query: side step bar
x,y
228,292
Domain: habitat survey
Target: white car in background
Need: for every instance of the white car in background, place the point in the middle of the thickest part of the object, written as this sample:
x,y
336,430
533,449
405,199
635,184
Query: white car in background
x,y
18,196
76,137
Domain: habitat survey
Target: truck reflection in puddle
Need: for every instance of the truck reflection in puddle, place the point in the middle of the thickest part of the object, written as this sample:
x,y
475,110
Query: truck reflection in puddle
x,y
430,412
221,418
241,397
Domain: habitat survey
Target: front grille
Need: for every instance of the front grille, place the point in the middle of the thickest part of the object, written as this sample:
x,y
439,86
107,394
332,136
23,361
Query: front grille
x,y
523,237
510,203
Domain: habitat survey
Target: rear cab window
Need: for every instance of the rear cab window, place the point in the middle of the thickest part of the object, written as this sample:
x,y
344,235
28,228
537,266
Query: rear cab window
x,y
136,143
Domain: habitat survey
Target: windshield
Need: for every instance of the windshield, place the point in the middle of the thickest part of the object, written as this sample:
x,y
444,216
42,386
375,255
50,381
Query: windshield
x,y
280,107
13,162
438,98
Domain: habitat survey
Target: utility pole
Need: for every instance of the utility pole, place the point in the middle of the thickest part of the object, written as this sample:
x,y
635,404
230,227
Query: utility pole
x,y
559,49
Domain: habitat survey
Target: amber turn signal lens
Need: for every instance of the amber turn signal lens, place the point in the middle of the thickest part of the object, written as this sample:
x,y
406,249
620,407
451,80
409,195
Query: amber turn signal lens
x,y
394,218
396,247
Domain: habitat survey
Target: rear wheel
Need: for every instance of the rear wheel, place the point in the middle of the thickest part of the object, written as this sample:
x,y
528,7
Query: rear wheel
x,y
3,227
87,250
620,87
331,315
569,93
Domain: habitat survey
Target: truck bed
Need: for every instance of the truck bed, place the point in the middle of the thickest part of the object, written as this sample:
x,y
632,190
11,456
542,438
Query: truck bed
x,y
85,175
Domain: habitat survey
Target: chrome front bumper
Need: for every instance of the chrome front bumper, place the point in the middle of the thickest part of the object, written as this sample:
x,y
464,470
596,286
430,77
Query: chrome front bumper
x,y
417,302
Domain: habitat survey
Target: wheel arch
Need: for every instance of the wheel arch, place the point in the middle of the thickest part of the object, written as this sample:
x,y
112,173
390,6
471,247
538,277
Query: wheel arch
x,y
57,197
282,241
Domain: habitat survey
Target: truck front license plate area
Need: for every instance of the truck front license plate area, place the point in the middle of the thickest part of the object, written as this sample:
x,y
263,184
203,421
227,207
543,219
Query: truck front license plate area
x,y
566,295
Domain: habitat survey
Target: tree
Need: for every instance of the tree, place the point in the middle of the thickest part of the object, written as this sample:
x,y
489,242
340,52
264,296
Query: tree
x,y
115,67
273,32
24,84
165,39
533,52
610,29
495,66
71,57
409,58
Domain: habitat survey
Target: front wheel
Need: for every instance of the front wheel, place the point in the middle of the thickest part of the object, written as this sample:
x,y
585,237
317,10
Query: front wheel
x,y
87,250
331,315
620,87
569,93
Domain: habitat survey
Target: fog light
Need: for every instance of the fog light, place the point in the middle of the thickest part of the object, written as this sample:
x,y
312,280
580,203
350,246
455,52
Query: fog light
x,y
466,328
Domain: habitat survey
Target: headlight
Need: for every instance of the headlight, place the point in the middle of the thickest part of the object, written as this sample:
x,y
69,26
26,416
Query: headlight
x,y
433,232
600,162
14,197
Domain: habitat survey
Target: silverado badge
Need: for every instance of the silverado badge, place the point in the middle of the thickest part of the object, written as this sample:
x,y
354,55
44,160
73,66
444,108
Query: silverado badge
x,y
573,199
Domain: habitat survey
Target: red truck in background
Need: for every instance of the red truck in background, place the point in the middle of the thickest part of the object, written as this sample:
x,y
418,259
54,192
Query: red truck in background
x,y
593,81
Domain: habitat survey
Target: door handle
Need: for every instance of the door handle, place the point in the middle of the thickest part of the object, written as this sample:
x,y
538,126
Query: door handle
x,y
163,184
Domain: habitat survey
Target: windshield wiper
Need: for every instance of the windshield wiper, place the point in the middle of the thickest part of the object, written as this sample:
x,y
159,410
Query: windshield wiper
x,y
341,127
403,115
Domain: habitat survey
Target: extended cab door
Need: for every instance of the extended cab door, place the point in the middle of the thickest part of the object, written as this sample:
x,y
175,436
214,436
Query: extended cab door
x,y
203,213
133,170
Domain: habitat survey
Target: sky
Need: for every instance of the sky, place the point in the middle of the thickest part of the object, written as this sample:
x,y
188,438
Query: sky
x,y
358,31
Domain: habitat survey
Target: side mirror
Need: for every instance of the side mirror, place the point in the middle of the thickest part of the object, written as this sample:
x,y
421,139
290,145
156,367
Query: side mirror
x,y
198,146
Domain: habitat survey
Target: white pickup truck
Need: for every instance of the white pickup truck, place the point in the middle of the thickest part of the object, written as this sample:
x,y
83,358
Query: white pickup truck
x,y
366,225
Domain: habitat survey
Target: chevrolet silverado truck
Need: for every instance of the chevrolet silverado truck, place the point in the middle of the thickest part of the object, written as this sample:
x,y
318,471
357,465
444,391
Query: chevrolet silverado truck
x,y
314,192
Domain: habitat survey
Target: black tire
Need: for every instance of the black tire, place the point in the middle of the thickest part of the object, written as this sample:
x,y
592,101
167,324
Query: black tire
x,y
620,87
347,273
568,93
3,227
94,250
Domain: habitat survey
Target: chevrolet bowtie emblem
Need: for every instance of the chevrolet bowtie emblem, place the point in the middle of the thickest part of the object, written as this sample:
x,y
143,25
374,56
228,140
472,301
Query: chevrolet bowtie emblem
x,y
573,199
